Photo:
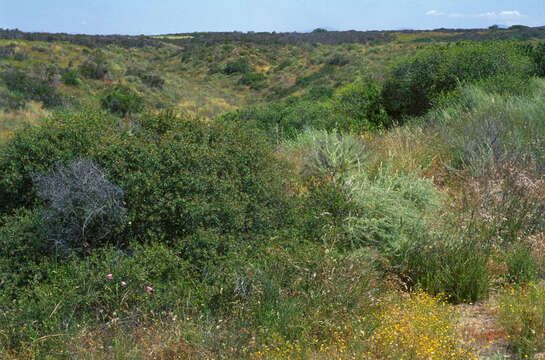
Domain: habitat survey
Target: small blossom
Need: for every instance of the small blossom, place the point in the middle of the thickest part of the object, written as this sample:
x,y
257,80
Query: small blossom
x,y
123,283
149,289
110,276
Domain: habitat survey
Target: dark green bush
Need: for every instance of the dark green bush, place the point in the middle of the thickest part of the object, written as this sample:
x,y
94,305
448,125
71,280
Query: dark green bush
x,y
180,176
319,93
538,55
283,64
23,248
148,78
412,85
70,77
239,66
12,100
122,100
521,266
315,77
338,60
32,88
253,80
62,138
152,80
285,120
96,67
455,267
214,68
7,52
361,104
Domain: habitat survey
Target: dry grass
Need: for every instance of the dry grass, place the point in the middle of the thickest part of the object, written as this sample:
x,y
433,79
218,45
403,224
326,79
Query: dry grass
x,y
411,149
164,341
479,328
9,121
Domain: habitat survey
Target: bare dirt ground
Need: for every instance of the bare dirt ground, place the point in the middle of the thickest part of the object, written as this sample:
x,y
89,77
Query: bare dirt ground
x,y
480,328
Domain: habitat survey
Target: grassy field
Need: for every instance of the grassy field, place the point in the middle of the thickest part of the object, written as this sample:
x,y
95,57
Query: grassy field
x,y
270,196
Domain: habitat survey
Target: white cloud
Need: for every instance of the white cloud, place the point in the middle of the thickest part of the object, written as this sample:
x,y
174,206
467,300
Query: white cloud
x,y
506,14
513,13
434,13
83,22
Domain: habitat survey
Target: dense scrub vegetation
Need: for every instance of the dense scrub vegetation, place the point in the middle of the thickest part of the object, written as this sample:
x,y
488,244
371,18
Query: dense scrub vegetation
x,y
342,205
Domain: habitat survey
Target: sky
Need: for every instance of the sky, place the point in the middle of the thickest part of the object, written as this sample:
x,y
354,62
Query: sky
x,y
177,16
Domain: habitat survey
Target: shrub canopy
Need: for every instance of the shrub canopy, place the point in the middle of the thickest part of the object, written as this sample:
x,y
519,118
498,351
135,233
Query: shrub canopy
x,y
413,83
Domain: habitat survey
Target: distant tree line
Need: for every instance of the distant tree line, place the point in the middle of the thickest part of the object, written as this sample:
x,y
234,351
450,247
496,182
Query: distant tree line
x,y
98,41
318,36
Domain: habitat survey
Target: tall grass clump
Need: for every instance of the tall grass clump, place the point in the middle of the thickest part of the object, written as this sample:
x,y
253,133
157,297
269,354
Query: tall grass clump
x,y
522,315
485,129
358,205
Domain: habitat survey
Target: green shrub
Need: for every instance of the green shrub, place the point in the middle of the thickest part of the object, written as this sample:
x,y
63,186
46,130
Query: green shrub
x,y
316,77
239,66
12,100
397,215
484,129
62,138
388,212
412,85
253,80
70,77
333,156
286,120
96,67
180,176
23,248
122,100
319,93
537,54
284,64
392,212
454,265
7,52
521,266
32,88
361,104
338,60
151,80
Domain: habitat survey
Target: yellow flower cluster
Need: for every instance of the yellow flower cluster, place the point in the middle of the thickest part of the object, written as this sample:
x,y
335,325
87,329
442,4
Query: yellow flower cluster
x,y
285,351
333,349
420,327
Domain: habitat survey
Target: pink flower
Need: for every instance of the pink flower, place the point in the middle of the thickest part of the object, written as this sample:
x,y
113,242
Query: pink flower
x,y
149,289
123,283
110,276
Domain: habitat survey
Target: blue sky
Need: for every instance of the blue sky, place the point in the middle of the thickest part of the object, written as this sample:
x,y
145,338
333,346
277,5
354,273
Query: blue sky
x,y
172,16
